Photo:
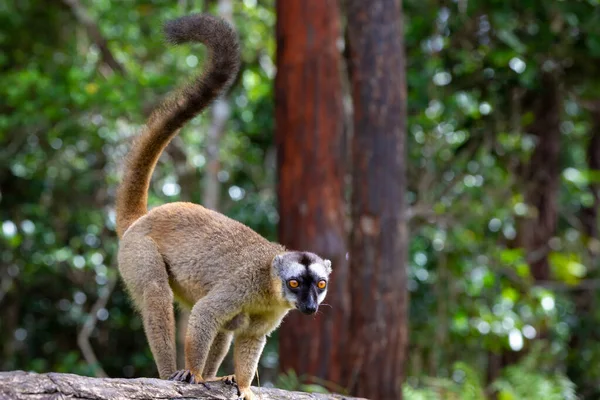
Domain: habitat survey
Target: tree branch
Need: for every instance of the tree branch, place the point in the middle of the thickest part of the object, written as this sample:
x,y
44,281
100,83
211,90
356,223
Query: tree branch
x,y
95,35
20,385
83,338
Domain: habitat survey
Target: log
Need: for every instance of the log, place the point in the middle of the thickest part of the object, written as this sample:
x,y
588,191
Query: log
x,y
17,385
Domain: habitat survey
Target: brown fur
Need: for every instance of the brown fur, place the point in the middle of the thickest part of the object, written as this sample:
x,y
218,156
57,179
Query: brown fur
x,y
219,265
221,268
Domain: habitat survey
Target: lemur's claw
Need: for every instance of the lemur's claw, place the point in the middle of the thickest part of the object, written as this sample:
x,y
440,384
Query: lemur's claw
x,y
185,375
178,376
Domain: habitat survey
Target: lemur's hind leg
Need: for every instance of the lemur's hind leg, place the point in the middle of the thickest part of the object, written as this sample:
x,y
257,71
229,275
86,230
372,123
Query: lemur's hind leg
x,y
145,276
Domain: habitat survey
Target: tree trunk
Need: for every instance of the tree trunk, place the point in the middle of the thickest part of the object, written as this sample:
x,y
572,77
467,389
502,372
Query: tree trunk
x,y
309,135
542,177
17,385
584,326
378,242
541,180
589,215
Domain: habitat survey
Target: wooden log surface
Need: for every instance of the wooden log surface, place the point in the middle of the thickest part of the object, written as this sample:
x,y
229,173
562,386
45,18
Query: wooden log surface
x,y
17,385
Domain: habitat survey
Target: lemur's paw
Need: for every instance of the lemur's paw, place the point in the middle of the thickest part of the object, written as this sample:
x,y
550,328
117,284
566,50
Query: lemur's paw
x,y
246,394
185,375
228,379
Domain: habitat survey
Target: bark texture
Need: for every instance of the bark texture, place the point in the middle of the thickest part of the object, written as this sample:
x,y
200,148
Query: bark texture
x,y
309,135
378,240
17,385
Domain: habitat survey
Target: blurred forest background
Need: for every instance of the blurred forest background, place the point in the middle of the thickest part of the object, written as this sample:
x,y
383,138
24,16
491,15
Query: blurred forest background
x,y
501,188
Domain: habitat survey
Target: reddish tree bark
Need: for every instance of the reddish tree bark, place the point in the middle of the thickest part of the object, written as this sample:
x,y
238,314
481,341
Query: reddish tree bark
x,y
309,136
378,240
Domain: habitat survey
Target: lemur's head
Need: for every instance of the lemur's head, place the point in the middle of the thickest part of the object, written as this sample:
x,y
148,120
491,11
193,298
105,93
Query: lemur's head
x,y
305,277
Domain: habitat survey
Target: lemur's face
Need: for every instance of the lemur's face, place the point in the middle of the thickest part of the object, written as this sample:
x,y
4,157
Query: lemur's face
x,y
305,277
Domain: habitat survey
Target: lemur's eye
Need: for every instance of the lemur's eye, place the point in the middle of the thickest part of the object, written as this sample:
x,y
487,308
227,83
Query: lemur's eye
x,y
293,283
322,284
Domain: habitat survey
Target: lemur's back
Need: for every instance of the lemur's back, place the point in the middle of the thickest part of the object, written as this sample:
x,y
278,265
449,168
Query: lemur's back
x,y
197,242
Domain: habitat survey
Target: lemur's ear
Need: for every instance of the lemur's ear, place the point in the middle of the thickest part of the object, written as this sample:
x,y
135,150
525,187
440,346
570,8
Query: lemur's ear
x,y
278,262
327,265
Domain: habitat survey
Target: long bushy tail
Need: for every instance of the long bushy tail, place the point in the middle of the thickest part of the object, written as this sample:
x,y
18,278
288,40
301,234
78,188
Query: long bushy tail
x,y
164,123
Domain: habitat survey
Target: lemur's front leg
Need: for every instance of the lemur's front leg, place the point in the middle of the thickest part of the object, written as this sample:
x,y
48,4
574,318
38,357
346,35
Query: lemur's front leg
x,y
247,351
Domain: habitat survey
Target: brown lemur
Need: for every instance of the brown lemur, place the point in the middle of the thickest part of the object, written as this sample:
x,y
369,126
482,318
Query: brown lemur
x,y
237,283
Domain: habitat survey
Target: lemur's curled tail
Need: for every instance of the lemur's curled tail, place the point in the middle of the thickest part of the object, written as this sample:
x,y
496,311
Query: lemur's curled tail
x,y
164,123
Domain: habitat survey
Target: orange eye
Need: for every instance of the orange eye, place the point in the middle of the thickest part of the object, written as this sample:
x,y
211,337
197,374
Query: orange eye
x,y
322,284
293,283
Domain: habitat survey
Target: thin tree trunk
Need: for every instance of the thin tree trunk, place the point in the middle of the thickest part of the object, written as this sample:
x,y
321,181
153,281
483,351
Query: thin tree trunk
x,y
584,331
309,135
220,113
211,186
378,242
541,180
83,338
589,215
438,353
542,177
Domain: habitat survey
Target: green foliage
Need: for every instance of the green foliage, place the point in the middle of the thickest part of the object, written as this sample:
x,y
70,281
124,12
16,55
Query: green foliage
x,y
469,282
523,381
291,381
530,380
466,385
66,120
520,383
